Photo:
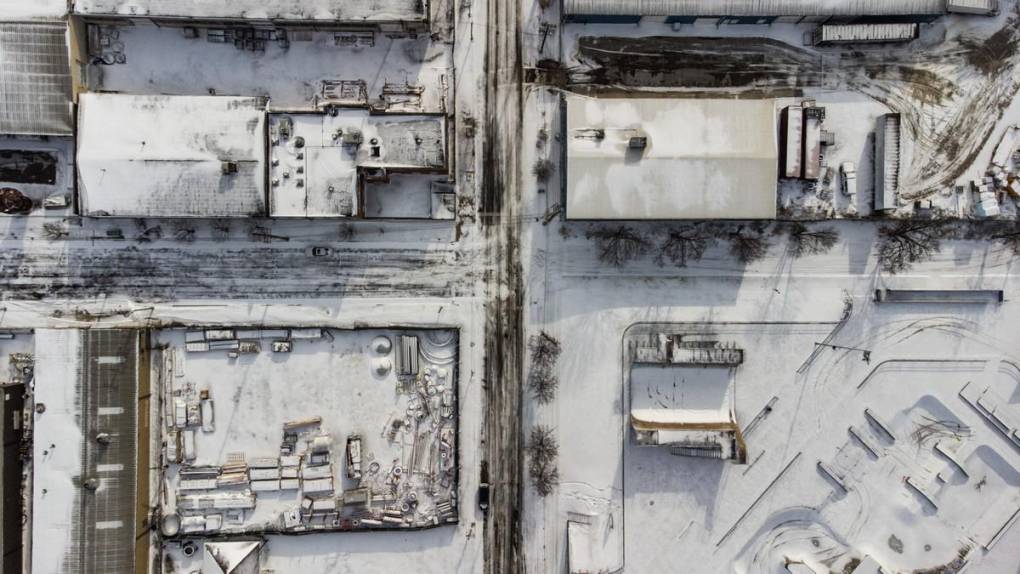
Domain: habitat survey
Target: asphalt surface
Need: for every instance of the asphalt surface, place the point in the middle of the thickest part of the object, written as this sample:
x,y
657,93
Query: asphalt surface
x,y
504,338
109,370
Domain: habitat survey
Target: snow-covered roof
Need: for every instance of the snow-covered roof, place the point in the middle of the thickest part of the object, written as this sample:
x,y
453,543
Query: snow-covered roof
x,y
235,557
55,470
754,7
678,396
35,79
704,159
322,177
171,156
317,10
83,509
20,10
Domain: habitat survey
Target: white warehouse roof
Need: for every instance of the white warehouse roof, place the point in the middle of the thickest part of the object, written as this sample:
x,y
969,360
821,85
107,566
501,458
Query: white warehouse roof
x,y
314,10
754,7
32,9
166,156
704,159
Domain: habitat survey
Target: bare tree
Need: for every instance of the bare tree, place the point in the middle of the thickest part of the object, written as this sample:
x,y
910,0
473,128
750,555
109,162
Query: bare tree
x,y
620,245
147,233
542,445
1009,237
545,349
346,232
544,478
747,244
908,242
543,169
543,452
184,231
55,231
807,241
682,245
221,229
542,379
543,384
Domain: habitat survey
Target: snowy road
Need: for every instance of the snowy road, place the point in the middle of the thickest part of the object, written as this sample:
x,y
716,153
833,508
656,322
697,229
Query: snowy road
x,y
411,260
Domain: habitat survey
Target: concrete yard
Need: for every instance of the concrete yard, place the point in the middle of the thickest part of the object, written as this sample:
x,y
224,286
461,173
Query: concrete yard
x,y
351,389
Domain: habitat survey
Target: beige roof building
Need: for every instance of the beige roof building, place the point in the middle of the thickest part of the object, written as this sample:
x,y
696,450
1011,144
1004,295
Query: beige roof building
x,y
667,158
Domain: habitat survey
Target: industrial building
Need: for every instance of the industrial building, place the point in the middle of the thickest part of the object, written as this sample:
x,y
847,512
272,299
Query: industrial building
x,y
682,396
210,156
633,158
35,75
36,10
337,164
305,13
87,443
16,372
753,11
171,156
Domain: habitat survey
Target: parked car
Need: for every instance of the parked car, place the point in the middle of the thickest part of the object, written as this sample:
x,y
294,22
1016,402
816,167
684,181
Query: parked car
x,y
849,179
483,488
319,251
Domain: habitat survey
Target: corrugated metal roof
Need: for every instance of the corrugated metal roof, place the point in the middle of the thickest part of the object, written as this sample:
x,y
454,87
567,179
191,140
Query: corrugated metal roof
x,y
317,10
867,32
35,79
754,7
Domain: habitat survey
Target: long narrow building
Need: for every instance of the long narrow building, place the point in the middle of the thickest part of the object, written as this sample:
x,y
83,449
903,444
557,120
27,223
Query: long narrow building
x,y
754,11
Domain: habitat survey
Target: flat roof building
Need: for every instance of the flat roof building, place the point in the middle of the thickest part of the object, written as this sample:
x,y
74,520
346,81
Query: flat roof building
x,y
305,12
631,159
325,164
171,156
85,491
33,10
752,11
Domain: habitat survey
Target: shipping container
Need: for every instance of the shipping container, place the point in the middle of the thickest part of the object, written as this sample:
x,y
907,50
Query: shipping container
x,y
828,34
792,129
887,161
981,7
812,143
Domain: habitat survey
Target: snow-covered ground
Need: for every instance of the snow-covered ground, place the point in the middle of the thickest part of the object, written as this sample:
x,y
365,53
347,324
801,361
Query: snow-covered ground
x,y
668,512
650,511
